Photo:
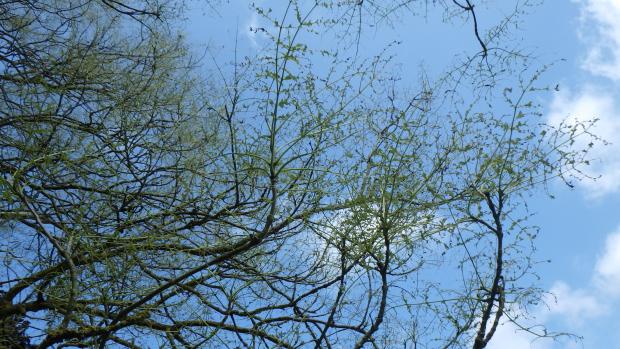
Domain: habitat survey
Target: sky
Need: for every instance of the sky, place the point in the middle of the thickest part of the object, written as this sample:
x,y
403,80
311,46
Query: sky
x,y
580,228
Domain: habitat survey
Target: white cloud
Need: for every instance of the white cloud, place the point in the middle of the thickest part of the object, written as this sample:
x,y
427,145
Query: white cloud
x,y
588,104
508,336
600,30
607,278
574,305
597,98
598,299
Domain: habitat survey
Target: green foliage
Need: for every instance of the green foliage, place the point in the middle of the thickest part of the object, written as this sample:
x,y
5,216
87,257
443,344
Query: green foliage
x,y
303,200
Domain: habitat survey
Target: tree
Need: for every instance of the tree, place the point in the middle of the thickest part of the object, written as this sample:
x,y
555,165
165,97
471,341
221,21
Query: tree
x,y
283,205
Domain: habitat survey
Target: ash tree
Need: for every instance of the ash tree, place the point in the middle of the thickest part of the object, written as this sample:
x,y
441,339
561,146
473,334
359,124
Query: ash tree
x,y
302,197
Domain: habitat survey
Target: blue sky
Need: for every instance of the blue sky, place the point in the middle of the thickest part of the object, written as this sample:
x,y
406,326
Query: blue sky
x,y
580,228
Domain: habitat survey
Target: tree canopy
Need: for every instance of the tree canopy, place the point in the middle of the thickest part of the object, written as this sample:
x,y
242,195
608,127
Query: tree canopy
x,y
297,198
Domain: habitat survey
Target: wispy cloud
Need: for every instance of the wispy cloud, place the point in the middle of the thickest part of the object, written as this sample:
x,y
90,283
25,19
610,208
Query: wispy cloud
x,y
589,103
600,31
597,96
598,298
575,306
607,277
509,336
571,307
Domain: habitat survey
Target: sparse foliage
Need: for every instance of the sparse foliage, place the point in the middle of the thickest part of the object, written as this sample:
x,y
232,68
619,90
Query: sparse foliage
x,y
302,198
